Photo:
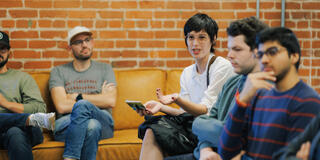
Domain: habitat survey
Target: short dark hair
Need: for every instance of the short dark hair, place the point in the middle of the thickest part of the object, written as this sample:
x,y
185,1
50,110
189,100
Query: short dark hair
x,y
284,36
249,28
201,21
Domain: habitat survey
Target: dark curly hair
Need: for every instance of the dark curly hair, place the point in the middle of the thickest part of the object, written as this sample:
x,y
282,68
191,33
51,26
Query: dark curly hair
x,y
248,27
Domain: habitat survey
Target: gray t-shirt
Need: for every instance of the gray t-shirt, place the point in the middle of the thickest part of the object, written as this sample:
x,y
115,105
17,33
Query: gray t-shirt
x,y
86,82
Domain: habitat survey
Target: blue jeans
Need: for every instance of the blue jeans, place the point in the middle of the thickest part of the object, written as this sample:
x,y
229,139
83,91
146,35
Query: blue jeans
x,y
82,129
16,137
208,130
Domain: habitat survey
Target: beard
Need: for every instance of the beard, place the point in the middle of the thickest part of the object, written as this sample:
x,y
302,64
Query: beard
x,y
81,57
281,75
4,62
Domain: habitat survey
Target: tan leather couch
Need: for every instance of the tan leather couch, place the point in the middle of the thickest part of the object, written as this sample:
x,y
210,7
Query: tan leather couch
x,y
135,84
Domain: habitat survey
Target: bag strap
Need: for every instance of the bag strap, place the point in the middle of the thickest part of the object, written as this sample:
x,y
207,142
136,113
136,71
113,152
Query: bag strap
x,y
210,62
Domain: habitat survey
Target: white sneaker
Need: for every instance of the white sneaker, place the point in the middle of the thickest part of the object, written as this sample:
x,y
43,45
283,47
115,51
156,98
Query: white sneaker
x,y
43,120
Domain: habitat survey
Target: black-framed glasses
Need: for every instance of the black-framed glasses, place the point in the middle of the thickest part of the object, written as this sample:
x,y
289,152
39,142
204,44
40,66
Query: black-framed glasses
x,y
80,42
269,52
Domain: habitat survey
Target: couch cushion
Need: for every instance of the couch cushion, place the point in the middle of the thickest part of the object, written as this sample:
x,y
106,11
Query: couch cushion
x,y
173,83
139,85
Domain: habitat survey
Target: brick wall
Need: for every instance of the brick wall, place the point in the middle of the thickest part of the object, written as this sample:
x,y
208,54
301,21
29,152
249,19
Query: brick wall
x,y
143,34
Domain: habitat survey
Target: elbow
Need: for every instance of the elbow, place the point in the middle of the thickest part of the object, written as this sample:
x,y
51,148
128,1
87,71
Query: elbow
x,y
61,110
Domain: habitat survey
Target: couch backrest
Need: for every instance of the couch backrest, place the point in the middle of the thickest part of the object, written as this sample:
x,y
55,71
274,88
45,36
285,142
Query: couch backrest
x,y
133,84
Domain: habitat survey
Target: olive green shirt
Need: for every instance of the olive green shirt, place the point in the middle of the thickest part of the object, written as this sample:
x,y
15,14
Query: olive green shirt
x,y
20,87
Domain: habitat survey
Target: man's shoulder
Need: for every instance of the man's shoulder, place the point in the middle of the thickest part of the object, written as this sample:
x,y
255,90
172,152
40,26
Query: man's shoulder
x,y
19,73
305,91
100,64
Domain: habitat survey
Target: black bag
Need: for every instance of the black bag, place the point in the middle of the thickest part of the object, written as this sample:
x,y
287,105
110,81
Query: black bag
x,y
173,133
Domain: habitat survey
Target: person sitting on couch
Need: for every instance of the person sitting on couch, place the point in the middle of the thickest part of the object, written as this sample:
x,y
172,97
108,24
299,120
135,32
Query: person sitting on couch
x,y
242,49
19,93
200,85
83,92
275,105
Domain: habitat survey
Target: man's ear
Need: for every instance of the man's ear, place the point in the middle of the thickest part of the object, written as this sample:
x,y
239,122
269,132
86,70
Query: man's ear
x,y
294,58
255,53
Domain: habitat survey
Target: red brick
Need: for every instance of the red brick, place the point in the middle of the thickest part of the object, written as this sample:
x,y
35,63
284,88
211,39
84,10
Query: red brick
x,y
306,44
124,4
183,54
3,13
306,72
166,14
23,13
42,44
123,64
151,63
45,23
8,23
11,3
108,54
315,82
142,24
241,15
52,34
179,63
26,24
53,13
176,44
315,24
57,63
311,5
95,4
301,15
62,44
126,44
187,15
267,5
303,34
115,24
293,5
101,24
24,34
66,4
56,54
233,5
14,65
128,24
103,44
26,54
140,34
207,5
152,44
252,5
134,53
87,23
169,34
272,15
156,24
38,3
151,4
72,24
139,14
111,34
290,24
222,15
37,65
318,90
111,14
179,5
168,24
316,43
82,14
163,54
303,24
59,24
18,44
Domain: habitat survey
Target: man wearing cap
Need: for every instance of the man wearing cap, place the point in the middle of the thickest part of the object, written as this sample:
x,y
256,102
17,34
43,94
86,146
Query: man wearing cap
x,y
19,93
83,92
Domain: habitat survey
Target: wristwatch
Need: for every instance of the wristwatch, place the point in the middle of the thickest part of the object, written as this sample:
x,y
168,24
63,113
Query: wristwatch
x,y
79,97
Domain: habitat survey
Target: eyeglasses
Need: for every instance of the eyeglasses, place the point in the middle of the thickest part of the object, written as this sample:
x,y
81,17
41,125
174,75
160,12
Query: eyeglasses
x,y
80,42
270,52
201,38
3,50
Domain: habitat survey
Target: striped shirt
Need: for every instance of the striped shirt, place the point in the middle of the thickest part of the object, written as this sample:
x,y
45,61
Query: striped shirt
x,y
269,123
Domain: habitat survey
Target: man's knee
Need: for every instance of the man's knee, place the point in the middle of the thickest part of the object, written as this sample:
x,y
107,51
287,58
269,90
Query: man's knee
x,y
94,128
17,139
